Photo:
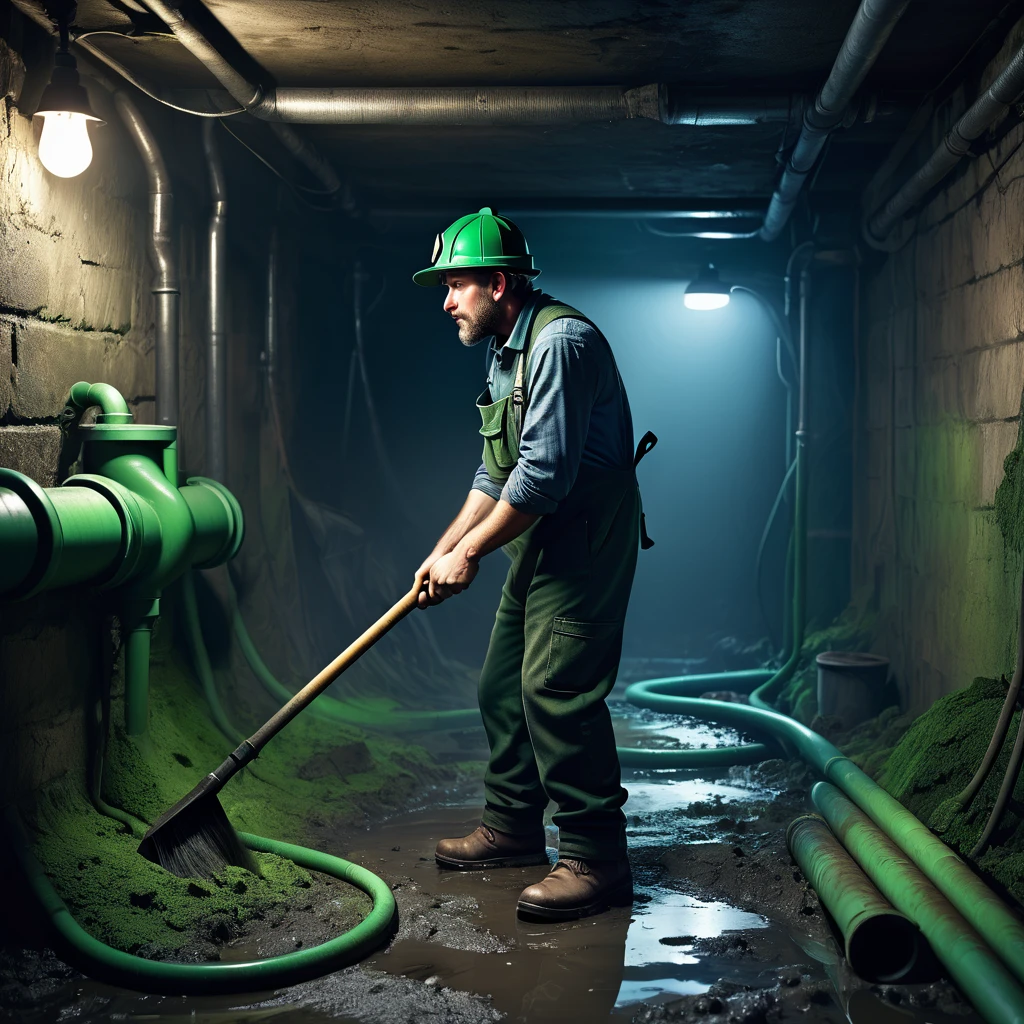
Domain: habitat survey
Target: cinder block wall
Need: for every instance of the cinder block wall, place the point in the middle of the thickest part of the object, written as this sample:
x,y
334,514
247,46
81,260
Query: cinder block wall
x,y
942,358
75,304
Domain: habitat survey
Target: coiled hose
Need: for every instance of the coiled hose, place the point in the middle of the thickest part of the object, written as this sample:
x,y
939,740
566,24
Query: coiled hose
x,y
115,967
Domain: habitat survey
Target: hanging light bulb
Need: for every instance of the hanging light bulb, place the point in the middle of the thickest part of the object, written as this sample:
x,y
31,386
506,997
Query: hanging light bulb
x,y
64,145
706,291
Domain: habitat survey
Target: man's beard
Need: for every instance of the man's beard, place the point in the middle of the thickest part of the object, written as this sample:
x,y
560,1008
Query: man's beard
x,y
484,323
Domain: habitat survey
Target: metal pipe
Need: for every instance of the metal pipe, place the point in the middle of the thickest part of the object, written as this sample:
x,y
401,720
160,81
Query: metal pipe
x,y
166,290
881,944
487,105
989,108
460,105
216,335
871,27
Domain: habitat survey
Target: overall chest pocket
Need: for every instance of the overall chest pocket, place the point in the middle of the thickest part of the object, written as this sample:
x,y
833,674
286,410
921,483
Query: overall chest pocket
x,y
501,445
581,654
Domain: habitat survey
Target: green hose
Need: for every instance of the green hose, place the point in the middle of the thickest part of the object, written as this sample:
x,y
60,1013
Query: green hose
x,y
201,659
116,967
989,915
375,713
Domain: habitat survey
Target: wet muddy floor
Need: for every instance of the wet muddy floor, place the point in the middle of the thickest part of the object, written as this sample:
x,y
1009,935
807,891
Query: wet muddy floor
x,y
723,928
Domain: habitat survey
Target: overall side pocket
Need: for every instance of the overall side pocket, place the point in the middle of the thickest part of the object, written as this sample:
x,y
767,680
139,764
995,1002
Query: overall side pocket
x,y
580,654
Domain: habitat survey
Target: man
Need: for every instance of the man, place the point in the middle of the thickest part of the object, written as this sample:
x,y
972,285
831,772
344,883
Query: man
x,y
557,489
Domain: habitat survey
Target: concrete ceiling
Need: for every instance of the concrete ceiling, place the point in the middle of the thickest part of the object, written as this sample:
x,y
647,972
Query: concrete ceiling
x,y
738,46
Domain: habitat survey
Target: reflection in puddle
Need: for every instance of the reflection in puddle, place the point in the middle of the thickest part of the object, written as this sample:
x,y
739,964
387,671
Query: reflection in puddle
x,y
659,959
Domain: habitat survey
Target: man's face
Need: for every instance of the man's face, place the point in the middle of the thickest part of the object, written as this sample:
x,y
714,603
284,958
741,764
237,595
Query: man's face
x,y
471,304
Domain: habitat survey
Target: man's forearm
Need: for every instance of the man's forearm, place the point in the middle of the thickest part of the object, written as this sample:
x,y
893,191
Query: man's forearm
x,y
476,509
502,525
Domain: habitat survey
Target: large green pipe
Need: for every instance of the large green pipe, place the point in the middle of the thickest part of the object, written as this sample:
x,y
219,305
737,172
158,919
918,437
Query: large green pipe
x,y
881,943
972,964
950,874
116,967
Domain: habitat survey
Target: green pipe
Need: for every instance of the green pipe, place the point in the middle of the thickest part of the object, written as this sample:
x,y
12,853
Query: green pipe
x,y
136,678
113,407
91,533
947,871
764,694
19,540
115,967
971,963
373,714
881,943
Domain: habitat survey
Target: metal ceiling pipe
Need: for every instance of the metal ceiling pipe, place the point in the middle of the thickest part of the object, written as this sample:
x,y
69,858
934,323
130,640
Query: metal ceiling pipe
x,y
166,290
486,105
872,25
216,335
247,93
989,108
469,105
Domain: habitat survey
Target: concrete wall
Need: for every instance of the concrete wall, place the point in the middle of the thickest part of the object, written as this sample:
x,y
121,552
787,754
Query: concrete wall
x,y
942,367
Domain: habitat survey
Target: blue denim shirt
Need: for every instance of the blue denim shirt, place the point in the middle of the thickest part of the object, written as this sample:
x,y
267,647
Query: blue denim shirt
x,y
576,410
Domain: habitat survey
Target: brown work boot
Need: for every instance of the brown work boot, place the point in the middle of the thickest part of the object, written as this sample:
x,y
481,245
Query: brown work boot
x,y
576,888
486,847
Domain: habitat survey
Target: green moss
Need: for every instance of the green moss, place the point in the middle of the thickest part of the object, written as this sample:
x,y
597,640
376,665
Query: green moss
x,y
1009,500
127,902
938,756
314,776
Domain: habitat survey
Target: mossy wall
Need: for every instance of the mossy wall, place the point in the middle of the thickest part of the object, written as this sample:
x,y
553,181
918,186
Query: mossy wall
x,y
942,373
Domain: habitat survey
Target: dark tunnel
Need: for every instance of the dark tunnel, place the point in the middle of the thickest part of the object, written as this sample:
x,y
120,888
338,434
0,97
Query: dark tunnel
x,y
679,680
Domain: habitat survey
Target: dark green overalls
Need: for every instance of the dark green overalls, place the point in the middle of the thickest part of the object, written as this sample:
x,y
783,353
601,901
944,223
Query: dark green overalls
x,y
555,647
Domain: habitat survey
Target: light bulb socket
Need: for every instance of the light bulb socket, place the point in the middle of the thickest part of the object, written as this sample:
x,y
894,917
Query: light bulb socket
x,y
65,93
707,282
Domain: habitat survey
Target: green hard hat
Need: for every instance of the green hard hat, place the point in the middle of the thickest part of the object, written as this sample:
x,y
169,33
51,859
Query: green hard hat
x,y
479,241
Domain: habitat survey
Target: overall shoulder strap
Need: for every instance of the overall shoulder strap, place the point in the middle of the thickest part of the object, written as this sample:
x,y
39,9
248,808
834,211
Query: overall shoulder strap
x,y
542,318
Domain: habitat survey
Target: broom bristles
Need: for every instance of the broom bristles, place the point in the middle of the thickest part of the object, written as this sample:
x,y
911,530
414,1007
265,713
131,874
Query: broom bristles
x,y
197,841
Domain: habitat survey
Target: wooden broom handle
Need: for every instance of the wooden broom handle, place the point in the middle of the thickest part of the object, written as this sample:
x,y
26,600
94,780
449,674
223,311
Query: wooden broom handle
x,y
326,676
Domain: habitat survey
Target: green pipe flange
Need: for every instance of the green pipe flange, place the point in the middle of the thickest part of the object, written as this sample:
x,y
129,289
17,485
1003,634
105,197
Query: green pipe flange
x,y
236,533
132,525
132,432
47,522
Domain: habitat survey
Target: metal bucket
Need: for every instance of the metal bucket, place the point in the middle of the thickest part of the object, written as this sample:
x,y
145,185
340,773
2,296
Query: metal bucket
x,y
851,685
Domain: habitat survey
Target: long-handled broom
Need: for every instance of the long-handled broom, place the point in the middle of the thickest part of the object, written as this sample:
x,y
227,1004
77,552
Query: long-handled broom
x,y
194,839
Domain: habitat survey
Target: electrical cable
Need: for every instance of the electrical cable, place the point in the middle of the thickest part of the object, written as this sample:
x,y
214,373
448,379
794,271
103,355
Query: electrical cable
x,y
295,186
128,76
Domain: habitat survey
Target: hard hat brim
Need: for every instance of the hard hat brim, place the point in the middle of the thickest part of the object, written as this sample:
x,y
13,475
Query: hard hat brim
x,y
431,276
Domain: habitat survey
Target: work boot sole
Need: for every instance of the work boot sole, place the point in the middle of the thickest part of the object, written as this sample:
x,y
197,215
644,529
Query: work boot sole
x,y
523,860
621,896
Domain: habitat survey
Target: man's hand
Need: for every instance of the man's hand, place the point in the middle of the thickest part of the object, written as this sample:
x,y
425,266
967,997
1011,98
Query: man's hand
x,y
448,575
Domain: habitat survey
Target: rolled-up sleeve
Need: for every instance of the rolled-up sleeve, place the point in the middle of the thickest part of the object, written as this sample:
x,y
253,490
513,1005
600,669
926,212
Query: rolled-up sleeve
x,y
483,482
560,396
